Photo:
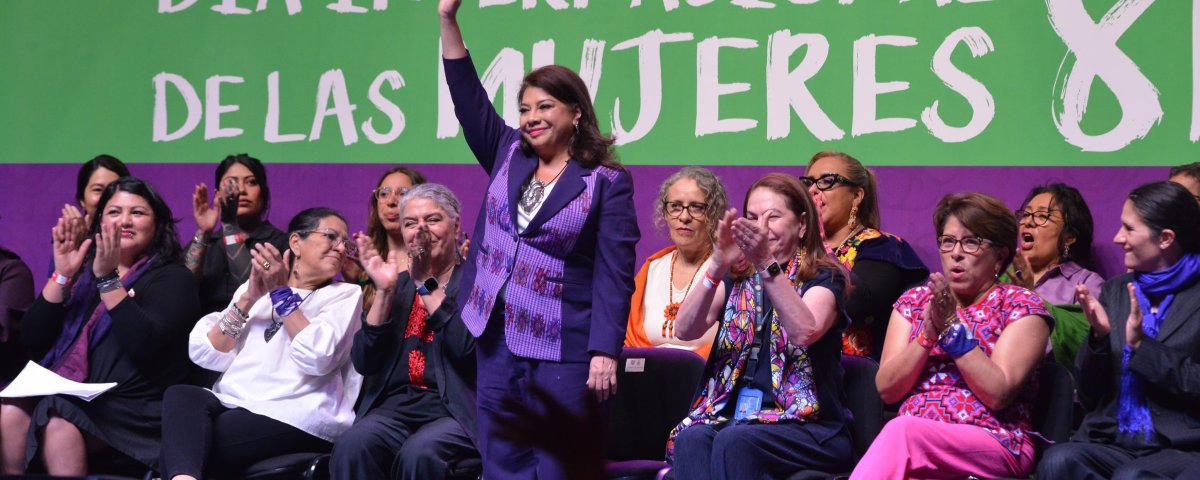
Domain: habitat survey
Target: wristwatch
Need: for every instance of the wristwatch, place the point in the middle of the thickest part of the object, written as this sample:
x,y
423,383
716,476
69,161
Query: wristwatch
x,y
428,286
772,270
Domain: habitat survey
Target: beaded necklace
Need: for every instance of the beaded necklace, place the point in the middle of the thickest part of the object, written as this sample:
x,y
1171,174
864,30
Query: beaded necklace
x,y
672,310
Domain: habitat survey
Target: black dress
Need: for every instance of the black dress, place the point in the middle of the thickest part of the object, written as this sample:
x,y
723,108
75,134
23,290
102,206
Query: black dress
x,y
145,351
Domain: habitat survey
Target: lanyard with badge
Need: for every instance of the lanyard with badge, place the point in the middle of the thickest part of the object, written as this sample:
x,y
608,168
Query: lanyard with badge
x,y
750,398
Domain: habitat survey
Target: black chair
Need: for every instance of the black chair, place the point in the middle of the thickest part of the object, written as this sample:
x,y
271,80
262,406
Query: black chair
x,y
862,398
306,466
655,387
1053,409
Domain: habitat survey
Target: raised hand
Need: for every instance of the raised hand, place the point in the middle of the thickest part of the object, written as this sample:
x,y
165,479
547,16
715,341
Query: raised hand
x,y
228,199
382,273
77,221
1020,272
206,215
70,247
941,305
448,9
751,237
725,250
268,270
1133,326
1094,312
108,249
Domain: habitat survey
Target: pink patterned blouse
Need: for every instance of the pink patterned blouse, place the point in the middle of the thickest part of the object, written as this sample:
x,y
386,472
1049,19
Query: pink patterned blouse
x,y
942,394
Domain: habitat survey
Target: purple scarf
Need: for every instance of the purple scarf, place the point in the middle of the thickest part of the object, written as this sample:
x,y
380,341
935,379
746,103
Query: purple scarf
x,y
82,295
1133,416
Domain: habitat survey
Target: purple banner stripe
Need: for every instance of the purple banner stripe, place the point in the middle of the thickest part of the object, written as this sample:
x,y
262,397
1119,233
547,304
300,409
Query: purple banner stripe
x,y
32,196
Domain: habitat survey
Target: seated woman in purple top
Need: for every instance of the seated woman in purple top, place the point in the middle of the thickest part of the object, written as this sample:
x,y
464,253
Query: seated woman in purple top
x,y
548,281
1055,241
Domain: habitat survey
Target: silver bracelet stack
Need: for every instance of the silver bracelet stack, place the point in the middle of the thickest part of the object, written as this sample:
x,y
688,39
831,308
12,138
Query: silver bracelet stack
x,y
233,321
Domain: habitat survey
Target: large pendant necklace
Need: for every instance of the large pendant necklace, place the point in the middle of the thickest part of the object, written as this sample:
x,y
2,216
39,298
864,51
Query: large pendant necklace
x,y
672,310
532,195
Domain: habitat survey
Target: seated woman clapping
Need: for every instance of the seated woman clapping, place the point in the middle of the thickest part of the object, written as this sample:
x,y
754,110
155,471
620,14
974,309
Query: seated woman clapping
x,y
1139,362
283,348
417,411
961,353
117,309
772,401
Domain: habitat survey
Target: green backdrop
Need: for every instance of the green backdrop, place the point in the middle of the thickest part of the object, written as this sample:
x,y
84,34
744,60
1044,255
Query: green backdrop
x,y
80,77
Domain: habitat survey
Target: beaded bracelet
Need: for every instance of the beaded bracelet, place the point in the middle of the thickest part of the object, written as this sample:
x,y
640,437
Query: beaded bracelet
x,y
925,342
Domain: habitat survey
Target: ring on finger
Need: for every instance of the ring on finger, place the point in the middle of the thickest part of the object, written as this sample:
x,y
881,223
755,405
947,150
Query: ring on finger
x,y
266,265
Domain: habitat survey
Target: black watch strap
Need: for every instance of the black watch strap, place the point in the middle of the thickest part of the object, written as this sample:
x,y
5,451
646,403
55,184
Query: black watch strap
x,y
428,286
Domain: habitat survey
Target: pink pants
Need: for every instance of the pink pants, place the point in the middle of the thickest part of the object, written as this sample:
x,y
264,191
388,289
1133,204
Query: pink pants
x,y
911,447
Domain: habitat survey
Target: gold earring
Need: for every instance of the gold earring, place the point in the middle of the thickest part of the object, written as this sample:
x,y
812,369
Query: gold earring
x,y
854,217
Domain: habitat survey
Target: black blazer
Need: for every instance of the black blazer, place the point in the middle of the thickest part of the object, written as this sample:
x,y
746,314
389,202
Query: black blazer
x,y
376,352
1169,367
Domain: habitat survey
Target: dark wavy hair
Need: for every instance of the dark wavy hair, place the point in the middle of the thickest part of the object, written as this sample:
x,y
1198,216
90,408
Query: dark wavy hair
x,y
985,216
801,203
89,167
374,226
1168,205
256,167
1077,219
165,244
868,209
590,147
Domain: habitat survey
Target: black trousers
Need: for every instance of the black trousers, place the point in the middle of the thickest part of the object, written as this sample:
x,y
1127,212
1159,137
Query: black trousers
x,y
199,432
1077,460
382,445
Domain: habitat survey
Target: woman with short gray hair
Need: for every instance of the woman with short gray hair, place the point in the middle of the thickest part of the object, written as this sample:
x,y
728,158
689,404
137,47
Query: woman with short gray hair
x,y
417,409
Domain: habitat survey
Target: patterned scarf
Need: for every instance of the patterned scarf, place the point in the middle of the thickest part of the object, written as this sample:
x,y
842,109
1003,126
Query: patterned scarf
x,y
1133,416
791,367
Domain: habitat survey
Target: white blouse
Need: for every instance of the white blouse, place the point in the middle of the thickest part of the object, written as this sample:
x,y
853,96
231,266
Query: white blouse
x,y
307,382
655,303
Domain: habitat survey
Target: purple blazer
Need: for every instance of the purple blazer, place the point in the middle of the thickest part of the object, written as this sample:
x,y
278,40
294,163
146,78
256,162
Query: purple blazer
x,y
568,278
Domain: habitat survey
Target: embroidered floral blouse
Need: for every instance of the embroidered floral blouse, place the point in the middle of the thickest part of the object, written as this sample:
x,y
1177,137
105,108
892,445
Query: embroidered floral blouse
x,y
942,394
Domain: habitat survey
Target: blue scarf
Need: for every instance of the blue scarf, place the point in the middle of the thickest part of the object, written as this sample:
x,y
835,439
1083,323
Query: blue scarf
x,y
1133,416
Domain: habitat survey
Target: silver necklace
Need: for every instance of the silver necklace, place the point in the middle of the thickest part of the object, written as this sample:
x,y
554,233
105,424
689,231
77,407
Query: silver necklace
x,y
535,190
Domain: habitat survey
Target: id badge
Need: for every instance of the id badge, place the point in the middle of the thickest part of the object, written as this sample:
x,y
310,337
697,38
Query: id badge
x,y
749,401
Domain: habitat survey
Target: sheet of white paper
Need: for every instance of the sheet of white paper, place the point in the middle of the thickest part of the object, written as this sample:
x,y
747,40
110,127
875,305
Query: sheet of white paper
x,y
36,381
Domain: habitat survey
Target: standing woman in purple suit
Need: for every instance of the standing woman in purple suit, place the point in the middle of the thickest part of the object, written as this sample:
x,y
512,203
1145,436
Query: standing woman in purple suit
x,y
547,284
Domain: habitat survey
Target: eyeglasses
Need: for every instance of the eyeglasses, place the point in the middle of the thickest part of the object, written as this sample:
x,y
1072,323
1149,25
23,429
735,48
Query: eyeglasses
x,y
827,181
385,192
695,210
1039,218
335,240
946,243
